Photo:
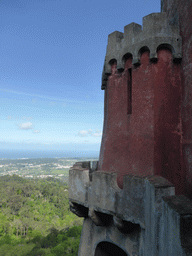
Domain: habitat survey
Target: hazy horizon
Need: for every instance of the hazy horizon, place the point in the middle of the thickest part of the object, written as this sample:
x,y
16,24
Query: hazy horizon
x,y
27,154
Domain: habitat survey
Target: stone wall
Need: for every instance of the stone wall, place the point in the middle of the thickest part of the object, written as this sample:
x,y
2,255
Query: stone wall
x,y
144,218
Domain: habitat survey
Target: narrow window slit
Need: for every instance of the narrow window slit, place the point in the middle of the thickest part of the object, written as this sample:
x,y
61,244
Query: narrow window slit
x,y
129,91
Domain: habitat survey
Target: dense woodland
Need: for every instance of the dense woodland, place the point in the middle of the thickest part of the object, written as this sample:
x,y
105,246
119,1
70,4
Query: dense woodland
x,y
35,218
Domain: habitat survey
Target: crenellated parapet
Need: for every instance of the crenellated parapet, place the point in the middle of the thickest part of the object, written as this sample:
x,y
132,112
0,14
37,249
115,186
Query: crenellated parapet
x,y
102,194
156,33
144,218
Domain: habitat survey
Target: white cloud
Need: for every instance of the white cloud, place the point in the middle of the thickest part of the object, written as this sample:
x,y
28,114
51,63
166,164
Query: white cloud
x,y
26,126
36,131
86,133
97,134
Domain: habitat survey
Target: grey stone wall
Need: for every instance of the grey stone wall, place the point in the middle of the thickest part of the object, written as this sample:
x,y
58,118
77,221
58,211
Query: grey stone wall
x,y
144,218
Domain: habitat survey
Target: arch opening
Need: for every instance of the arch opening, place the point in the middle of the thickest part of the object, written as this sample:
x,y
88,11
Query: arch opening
x,y
142,50
112,62
109,249
165,47
144,55
127,60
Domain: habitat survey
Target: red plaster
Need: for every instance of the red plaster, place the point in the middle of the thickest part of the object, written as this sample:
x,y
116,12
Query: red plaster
x,y
184,11
148,141
167,108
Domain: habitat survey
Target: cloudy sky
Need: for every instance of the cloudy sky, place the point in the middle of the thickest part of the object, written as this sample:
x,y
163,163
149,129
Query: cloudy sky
x,y
51,58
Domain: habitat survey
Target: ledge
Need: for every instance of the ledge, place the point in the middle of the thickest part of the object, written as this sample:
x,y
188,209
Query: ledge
x,y
102,194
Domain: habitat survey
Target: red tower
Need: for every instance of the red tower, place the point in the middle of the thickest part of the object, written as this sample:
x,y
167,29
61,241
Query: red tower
x,y
142,132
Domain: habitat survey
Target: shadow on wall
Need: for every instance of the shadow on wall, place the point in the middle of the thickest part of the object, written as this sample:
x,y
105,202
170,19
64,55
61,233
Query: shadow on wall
x,y
108,249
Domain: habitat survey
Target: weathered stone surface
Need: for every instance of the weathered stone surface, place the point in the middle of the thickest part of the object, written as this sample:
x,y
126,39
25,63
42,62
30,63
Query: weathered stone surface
x,y
103,194
176,226
93,235
146,209
176,237
156,31
79,181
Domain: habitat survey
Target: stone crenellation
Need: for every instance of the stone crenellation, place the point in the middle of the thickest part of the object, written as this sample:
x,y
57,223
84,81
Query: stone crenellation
x,y
147,209
156,32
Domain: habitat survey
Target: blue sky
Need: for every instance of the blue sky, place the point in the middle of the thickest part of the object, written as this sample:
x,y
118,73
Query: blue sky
x,y
52,55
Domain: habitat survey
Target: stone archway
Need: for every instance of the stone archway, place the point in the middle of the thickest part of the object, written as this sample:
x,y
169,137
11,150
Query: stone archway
x,y
109,249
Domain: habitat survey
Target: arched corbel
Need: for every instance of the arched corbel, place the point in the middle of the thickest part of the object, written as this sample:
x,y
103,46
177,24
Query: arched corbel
x,y
78,209
126,226
125,58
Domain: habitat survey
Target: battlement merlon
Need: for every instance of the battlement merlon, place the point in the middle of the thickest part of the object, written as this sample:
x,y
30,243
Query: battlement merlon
x,y
102,194
156,32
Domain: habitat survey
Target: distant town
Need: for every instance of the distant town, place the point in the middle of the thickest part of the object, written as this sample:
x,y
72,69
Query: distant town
x,y
40,167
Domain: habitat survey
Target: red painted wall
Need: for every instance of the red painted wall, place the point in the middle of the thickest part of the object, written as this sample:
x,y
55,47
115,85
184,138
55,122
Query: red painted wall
x,y
182,10
147,141
168,125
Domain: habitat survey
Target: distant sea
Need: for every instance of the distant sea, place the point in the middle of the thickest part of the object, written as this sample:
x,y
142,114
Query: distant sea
x,y
19,154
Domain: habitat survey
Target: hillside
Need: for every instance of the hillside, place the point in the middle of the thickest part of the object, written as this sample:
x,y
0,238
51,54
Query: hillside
x,y
35,218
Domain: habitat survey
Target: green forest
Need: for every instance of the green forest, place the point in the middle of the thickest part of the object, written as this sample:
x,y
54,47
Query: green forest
x,y
35,218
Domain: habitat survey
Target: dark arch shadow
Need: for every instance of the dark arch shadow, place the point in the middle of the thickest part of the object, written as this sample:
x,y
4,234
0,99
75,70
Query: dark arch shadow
x,y
109,249
166,47
142,50
112,62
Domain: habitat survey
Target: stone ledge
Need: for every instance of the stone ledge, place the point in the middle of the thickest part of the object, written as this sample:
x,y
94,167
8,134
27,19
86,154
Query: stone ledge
x,y
181,204
176,234
146,206
103,194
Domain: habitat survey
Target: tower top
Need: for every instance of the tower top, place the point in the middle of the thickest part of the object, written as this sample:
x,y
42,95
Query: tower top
x,y
156,32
